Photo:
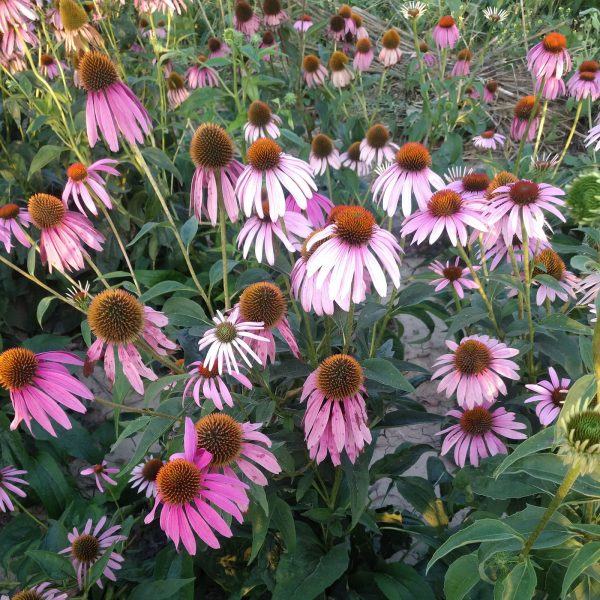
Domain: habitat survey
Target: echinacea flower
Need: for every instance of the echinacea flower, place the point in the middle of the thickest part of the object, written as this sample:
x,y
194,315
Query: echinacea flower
x,y
455,173
217,48
212,152
118,320
429,58
554,87
377,145
593,137
521,205
211,384
273,14
234,444
496,248
49,67
448,211
102,474
12,221
186,491
462,67
472,186
445,33
268,165
363,56
410,174
542,163
263,302
111,105
589,287
229,341
550,57
489,140
43,591
337,28
495,15
244,19
345,11
474,370
351,160
548,262
355,253
549,396
472,92
490,89
84,181
303,23
200,76
15,14
314,72
477,433
317,209
390,52
413,10
323,154
77,32
10,481
90,546
262,123
526,119
336,417
177,93
585,83
143,476
580,439
341,76
452,275
268,41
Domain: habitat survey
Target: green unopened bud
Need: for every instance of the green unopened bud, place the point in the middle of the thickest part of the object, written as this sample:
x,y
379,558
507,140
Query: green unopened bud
x,y
581,439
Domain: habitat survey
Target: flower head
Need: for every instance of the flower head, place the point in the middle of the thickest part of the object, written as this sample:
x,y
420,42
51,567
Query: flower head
x,y
446,34
217,48
76,31
351,160
10,480
586,81
453,275
580,432
593,137
337,28
526,119
102,474
274,15
177,93
550,57
244,19
363,57
495,15
199,75
548,262
143,475
314,72
43,591
12,221
549,397
84,183
303,23
341,76
49,66
390,53
489,140
413,10
323,154
462,67
377,145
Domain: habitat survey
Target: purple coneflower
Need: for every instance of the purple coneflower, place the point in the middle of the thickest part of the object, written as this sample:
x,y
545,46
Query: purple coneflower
x,y
12,221
472,187
262,122
268,41
474,370
489,140
323,154
43,591
199,75
364,55
429,58
586,81
15,14
217,48
462,67
593,136
317,209
445,33
304,23
77,33
346,13
143,476
554,87
490,90
177,93
244,19
273,14
314,72
548,262
337,28
10,481
377,145
49,66
390,52
589,287
549,396
525,120
351,160
452,275
84,181
102,474
341,76
550,57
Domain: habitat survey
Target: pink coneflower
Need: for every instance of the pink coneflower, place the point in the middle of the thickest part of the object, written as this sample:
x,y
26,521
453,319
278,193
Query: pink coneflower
x,y
49,67
490,90
89,546
472,187
341,76
177,93
314,72
553,88
264,303
524,109
447,211
489,140
361,31
231,443
84,181
472,92
337,28
522,204
336,417
356,253
462,67
273,14
549,396
77,33
410,174
323,154
187,491
268,41
589,287
586,81
10,482
15,14
53,18
102,474
548,262
63,233
244,19
212,152
445,33
317,209
549,58
429,58
211,384
452,275
199,75
143,476
304,23
217,48
267,163
262,122
476,435
364,55
351,160
474,369
118,320
390,52
262,230
111,105
43,591
346,13
229,341
12,221
377,145
496,248
593,137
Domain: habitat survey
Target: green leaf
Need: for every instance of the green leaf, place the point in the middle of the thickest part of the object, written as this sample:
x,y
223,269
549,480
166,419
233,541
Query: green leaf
x,y
158,158
283,519
146,227
260,528
462,576
42,307
408,584
164,287
163,589
131,428
156,427
48,482
519,584
467,316
420,493
560,322
542,440
55,566
587,556
31,260
414,294
383,371
45,155
189,230
357,479
183,312
394,464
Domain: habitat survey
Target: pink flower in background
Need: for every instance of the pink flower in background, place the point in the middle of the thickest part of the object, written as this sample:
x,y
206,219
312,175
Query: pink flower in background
x,y
143,476
341,76
410,174
304,23
489,140
10,481
211,384
472,92
593,136
89,546
337,28
317,209
244,19
553,88
273,14
111,105
84,181
490,90
364,55
268,41
525,120
429,58
462,67
377,145
119,320
38,384
586,81
314,72
12,221
452,275
262,123
589,288
49,67
445,33
472,187
177,93
217,48
351,160
549,397
102,474
43,591
199,75
548,262
187,491
477,433
550,57
474,370
390,52
323,154
336,417
16,14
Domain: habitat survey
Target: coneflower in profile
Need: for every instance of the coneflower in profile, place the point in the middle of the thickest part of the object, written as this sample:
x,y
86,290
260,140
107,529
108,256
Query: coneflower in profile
x,y
490,89
12,220
462,67
303,23
390,52
489,140
341,76
363,56
77,32
361,32
351,160
526,119
550,57
244,19
337,28
217,48
445,33
268,41
49,67
111,105
274,15
143,476
377,145
84,181
549,396
345,12
212,152
177,93
585,83
199,75
429,58
548,262
262,122
314,72
323,154
553,88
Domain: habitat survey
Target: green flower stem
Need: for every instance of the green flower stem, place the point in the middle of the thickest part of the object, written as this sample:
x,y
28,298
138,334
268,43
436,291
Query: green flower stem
x,y
527,273
223,232
483,259
517,274
134,409
329,183
336,487
570,138
348,329
523,141
540,129
560,495
424,91
591,124
94,267
378,97
26,512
